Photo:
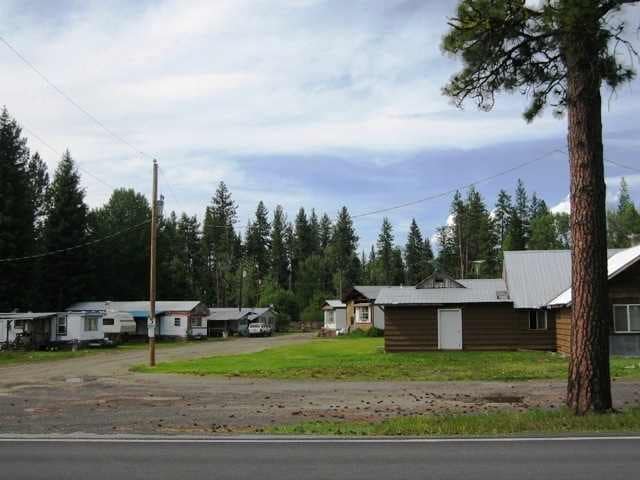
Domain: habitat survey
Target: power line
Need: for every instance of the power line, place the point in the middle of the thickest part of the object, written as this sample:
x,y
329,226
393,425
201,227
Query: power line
x,y
453,190
72,101
75,247
633,169
55,151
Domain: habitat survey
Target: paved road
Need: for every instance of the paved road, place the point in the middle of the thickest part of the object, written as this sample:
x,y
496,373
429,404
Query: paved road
x,y
496,460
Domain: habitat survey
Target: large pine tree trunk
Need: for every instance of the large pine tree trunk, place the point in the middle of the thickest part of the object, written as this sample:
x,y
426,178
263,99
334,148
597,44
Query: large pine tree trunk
x,y
589,386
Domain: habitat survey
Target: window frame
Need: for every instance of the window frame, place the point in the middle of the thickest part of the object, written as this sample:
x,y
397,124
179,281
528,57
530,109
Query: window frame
x,y
93,321
195,322
359,310
20,326
177,322
62,327
112,322
628,331
533,316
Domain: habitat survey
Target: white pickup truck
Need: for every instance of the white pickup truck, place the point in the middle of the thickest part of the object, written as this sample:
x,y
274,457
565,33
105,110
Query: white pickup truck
x,y
259,330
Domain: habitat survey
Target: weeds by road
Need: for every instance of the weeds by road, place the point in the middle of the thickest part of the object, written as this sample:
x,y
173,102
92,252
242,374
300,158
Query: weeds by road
x,y
498,423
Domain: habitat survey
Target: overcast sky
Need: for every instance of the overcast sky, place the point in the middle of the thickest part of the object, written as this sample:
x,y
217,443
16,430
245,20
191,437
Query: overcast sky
x,y
314,103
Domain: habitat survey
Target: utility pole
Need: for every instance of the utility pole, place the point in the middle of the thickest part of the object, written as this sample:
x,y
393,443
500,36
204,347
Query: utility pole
x,y
151,324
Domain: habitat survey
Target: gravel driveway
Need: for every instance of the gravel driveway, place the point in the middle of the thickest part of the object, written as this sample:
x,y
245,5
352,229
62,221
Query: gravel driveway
x,y
98,394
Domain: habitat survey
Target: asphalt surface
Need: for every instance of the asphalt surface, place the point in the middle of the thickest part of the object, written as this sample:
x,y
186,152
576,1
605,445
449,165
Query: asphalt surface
x,y
505,459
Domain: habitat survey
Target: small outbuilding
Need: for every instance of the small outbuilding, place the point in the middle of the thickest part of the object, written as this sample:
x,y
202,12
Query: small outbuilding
x,y
335,316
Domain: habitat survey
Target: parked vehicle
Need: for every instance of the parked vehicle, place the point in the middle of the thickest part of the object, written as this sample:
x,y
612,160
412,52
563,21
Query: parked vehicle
x,y
259,330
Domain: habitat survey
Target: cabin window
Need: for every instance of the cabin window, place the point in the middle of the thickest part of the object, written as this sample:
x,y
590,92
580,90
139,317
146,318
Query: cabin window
x,y
90,324
330,316
108,322
538,320
439,283
176,322
196,322
626,318
362,314
19,324
61,326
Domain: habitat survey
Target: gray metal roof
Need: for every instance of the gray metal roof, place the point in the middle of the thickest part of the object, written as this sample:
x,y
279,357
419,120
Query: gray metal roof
x,y
335,304
370,291
135,306
233,313
27,315
534,277
475,291
617,263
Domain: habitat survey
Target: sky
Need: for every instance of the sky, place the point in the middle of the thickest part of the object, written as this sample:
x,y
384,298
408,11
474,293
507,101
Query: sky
x,y
314,103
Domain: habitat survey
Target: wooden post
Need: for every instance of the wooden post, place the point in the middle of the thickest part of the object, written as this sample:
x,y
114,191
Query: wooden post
x,y
151,323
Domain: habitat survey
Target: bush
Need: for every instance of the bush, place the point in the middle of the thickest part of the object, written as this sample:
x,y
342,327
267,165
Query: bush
x,y
375,332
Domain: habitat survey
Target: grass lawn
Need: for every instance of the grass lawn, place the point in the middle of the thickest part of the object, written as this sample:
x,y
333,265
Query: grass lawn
x,y
364,359
499,423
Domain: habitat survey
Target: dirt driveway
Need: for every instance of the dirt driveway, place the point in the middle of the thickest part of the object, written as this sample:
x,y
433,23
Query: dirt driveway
x,y
99,395
116,363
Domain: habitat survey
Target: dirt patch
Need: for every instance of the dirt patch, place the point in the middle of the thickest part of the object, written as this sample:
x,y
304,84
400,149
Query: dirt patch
x,y
503,399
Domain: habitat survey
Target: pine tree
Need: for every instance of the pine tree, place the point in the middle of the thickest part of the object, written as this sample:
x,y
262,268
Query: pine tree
x,y
418,255
17,215
326,231
384,252
314,233
344,257
258,241
624,221
38,174
502,215
126,253
279,258
66,273
221,246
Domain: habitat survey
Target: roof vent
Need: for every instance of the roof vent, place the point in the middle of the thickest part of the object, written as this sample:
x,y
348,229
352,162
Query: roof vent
x,y
502,295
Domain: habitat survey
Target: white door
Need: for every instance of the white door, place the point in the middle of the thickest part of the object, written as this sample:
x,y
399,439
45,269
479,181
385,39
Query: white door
x,y
450,329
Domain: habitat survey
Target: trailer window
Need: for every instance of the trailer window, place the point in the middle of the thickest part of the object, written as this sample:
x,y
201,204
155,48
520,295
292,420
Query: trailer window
x,y
19,324
61,326
176,322
90,324
196,322
108,322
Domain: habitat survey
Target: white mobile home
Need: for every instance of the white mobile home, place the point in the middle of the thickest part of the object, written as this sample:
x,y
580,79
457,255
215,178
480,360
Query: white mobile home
x,y
174,319
80,327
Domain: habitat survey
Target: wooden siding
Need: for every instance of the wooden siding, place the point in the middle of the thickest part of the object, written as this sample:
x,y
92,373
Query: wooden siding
x,y
623,289
563,330
410,329
484,327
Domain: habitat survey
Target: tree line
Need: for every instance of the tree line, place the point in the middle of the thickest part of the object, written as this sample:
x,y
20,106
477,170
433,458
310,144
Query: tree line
x,y
294,264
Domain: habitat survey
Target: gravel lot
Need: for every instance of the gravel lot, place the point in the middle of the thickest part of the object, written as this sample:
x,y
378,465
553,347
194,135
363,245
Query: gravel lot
x,y
99,395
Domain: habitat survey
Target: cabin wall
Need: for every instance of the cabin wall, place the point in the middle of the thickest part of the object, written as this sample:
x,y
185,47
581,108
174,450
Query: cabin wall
x,y
492,326
563,330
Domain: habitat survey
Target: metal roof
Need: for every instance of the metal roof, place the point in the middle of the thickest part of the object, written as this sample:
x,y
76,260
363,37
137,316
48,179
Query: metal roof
x,y
335,304
475,291
233,313
140,308
616,264
26,315
535,276
370,291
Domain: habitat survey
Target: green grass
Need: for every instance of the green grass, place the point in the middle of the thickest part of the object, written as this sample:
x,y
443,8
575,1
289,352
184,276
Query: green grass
x,y
486,424
364,359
